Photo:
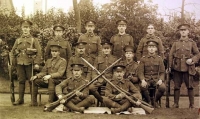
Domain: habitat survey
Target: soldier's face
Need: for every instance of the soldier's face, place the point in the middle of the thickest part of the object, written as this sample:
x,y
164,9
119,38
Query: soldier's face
x,y
106,50
55,53
80,50
152,49
58,32
184,32
77,73
118,74
90,28
150,29
129,55
121,28
26,29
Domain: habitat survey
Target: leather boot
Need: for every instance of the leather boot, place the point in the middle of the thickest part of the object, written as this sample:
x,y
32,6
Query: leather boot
x,y
21,95
34,95
146,96
51,97
109,103
157,99
191,98
86,102
176,98
124,107
73,107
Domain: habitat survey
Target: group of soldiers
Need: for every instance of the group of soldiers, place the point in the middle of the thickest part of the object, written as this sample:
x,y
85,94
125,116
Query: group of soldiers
x,y
64,72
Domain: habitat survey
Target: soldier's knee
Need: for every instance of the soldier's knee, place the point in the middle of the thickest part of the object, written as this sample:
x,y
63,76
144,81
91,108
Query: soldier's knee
x,y
162,88
91,98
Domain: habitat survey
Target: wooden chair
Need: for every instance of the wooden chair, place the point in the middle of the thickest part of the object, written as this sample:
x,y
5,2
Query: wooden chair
x,y
40,92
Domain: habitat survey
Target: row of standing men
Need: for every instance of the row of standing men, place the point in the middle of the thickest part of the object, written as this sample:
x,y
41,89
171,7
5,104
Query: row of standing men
x,y
149,69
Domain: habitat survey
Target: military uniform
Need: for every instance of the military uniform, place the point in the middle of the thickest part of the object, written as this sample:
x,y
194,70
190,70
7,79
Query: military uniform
x,y
131,67
151,69
71,84
142,47
181,51
101,63
87,71
65,52
93,47
111,99
54,67
120,41
24,58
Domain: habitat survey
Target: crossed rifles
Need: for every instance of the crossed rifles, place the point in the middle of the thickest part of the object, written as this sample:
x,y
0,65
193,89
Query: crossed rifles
x,y
148,108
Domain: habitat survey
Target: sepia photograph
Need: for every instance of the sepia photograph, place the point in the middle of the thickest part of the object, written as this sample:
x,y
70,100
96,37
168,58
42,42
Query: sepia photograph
x,y
99,59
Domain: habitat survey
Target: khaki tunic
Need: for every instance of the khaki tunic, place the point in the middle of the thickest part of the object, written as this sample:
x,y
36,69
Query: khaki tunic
x,y
151,67
182,50
19,50
119,41
93,46
54,67
71,84
124,84
65,51
142,47
87,71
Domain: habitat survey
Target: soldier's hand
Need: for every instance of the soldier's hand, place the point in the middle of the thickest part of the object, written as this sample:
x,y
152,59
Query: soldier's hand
x,y
138,103
47,77
33,78
36,66
144,83
62,101
159,82
189,62
168,70
120,96
79,94
138,62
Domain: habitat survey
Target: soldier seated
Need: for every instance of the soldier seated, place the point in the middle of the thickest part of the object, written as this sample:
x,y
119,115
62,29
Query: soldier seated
x,y
101,63
51,74
151,72
116,100
82,99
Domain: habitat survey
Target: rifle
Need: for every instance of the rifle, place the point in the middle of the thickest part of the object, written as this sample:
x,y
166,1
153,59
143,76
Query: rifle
x,y
167,81
51,106
12,87
146,108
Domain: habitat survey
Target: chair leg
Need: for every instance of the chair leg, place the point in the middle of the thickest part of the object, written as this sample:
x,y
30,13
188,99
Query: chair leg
x,y
39,99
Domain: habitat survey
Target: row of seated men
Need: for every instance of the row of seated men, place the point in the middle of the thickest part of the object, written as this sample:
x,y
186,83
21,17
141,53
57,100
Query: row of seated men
x,y
125,74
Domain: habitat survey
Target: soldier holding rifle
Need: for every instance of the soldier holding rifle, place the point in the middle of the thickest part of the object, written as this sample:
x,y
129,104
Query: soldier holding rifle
x,y
117,100
26,52
182,58
151,72
82,99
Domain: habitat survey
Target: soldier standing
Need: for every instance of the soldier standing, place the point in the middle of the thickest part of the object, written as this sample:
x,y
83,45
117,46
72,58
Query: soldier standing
x,y
51,74
116,100
93,41
101,63
151,72
121,39
82,99
182,58
131,66
26,52
80,52
142,47
65,52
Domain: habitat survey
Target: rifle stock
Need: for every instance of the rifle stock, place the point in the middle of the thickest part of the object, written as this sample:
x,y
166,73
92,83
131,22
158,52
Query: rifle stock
x,y
51,106
147,109
167,90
